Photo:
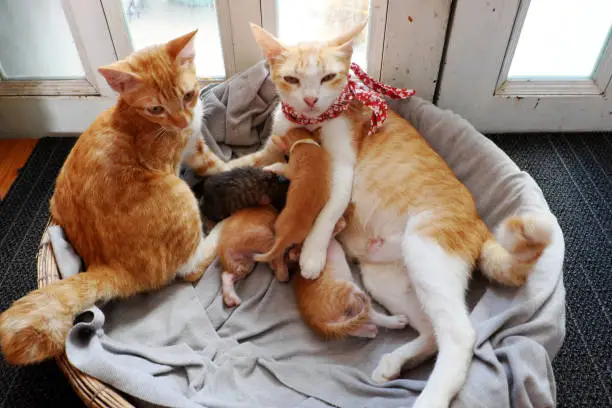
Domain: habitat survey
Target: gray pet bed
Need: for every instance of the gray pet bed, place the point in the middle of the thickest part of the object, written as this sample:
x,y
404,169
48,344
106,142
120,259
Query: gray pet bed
x,y
181,347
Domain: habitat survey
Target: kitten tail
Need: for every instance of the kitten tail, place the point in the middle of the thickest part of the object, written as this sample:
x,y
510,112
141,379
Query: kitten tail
x,y
277,250
35,327
522,240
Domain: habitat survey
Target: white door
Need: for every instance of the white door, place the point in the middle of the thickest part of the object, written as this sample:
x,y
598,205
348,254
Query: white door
x,y
50,49
520,65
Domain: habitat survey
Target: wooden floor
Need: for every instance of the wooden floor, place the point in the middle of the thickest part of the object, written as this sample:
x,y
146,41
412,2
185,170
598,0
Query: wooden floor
x,y
13,155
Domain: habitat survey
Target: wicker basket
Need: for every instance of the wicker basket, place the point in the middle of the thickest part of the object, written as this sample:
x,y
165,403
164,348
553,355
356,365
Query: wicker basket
x,y
91,391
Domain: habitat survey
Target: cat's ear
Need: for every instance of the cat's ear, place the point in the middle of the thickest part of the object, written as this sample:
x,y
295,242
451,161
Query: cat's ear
x,y
182,49
270,46
119,77
344,42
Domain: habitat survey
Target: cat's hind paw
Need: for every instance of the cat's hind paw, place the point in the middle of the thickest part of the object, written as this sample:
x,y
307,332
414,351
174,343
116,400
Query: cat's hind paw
x,y
231,299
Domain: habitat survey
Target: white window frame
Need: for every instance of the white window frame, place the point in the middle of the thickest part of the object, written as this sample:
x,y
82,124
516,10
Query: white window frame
x,y
520,87
400,53
239,48
488,32
86,25
58,107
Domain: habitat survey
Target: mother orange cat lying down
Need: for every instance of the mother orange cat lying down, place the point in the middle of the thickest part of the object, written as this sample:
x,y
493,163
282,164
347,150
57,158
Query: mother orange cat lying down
x,y
405,197
118,198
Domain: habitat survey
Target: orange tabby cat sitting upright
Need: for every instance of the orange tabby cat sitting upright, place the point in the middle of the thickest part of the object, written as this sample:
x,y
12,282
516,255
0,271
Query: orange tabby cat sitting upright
x,y
120,202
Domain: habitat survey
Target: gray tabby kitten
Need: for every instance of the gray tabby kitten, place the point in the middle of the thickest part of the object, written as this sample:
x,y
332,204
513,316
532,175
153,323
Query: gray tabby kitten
x,y
222,194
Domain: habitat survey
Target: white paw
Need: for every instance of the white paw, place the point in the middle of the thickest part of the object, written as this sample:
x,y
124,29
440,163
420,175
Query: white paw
x,y
538,228
398,321
231,300
312,262
389,368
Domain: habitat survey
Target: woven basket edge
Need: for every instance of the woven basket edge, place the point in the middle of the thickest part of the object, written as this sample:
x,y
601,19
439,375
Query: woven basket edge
x,y
92,392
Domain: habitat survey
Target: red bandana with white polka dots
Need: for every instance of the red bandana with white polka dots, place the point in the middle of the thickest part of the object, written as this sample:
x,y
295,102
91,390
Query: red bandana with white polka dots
x,y
368,91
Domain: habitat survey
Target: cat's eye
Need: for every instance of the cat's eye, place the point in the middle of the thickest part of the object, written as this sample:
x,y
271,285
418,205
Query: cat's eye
x,y
189,96
291,80
328,78
156,110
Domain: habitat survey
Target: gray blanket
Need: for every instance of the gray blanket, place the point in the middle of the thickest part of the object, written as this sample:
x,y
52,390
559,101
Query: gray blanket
x,y
181,347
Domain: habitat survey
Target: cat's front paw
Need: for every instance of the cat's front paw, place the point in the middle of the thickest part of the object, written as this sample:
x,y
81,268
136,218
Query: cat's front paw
x,y
312,261
388,369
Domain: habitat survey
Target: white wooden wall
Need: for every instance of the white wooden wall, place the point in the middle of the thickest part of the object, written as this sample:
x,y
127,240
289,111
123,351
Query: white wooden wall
x,y
414,41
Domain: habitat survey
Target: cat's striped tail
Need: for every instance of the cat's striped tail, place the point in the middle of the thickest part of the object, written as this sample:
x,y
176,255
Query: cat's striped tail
x,y
35,327
520,241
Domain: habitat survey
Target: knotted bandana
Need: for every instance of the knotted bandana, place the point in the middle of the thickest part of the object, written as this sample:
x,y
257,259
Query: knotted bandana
x,y
369,92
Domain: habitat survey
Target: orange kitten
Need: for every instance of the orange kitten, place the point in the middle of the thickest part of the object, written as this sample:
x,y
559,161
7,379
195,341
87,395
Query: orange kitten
x,y
333,306
119,200
308,173
244,233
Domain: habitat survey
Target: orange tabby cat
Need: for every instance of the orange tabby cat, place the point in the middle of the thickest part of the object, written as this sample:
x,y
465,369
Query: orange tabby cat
x,y
399,187
308,173
118,198
245,233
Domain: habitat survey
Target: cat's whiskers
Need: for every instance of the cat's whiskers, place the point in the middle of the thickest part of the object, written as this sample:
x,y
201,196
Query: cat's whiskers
x,y
159,133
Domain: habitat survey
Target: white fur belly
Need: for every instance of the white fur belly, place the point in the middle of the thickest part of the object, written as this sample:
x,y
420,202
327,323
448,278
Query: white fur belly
x,y
372,222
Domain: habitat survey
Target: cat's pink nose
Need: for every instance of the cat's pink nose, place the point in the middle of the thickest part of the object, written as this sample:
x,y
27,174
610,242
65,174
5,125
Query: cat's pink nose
x,y
311,101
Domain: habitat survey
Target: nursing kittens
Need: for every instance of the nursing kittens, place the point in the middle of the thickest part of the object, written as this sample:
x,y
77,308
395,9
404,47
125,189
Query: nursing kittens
x,y
308,171
247,231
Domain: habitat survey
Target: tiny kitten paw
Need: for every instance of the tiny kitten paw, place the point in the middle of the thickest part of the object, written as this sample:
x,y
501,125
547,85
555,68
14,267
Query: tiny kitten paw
x,y
367,330
231,300
398,322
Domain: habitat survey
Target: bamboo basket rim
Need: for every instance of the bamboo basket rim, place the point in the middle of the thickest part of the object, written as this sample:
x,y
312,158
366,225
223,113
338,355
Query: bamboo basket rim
x,y
93,392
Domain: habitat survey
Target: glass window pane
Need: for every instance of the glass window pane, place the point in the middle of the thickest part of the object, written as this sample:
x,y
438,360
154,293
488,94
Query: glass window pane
x,y
562,39
36,42
311,20
156,21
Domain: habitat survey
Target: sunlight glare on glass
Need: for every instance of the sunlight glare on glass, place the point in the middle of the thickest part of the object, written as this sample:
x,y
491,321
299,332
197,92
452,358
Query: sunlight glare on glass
x,y
314,20
562,39
157,21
